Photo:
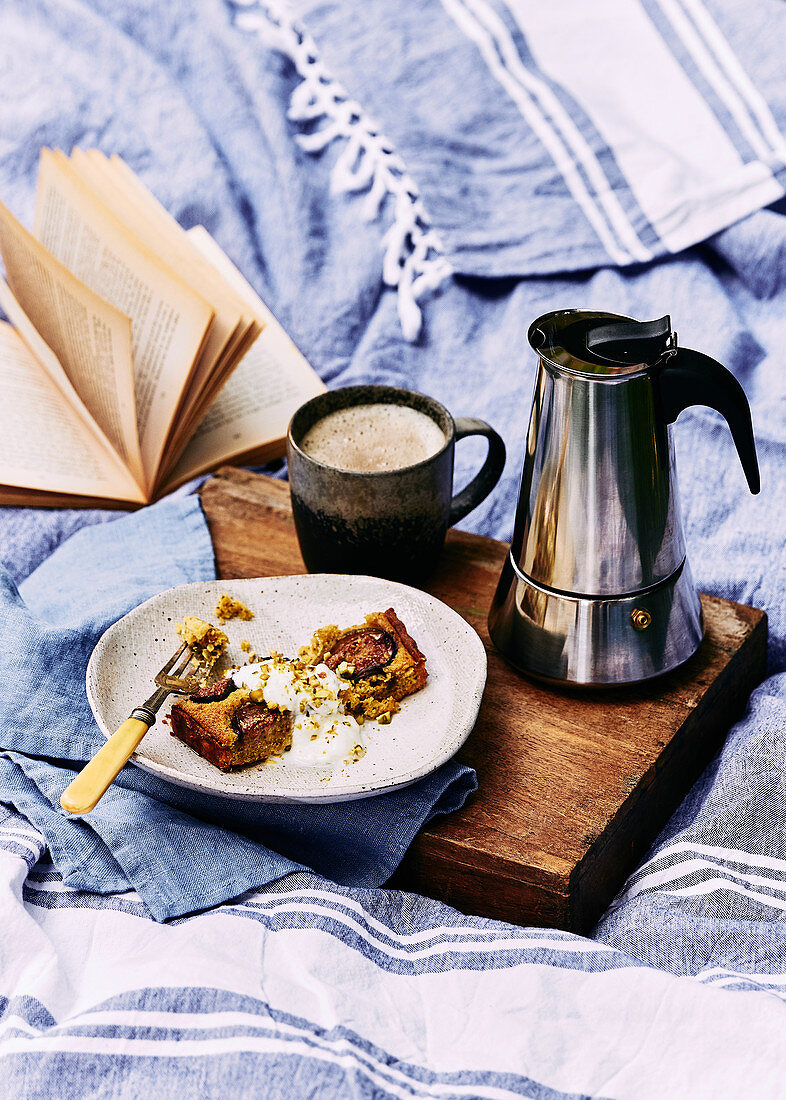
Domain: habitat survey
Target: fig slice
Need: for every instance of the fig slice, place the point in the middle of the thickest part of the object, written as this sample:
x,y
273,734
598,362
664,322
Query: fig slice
x,y
214,693
365,651
249,717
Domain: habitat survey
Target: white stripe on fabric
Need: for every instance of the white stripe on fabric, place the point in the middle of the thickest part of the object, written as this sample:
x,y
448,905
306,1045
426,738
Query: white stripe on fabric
x,y
719,975
715,76
448,953
732,980
716,885
521,87
50,887
732,984
687,176
18,824
22,841
350,1062
547,936
276,1029
462,947
685,867
752,983
19,830
730,855
17,1023
274,897
737,75
57,887
467,942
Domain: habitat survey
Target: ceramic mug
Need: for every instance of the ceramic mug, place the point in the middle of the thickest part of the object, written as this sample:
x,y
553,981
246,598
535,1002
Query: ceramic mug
x,y
387,523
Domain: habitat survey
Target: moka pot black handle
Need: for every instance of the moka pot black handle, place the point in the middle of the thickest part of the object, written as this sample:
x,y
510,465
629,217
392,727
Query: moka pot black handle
x,y
691,378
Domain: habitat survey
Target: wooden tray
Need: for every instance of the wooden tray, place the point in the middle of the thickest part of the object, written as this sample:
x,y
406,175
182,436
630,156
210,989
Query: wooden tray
x,y
573,787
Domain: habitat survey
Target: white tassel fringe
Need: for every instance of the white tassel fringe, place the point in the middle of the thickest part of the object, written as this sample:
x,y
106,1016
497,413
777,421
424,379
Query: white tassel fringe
x,y
413,260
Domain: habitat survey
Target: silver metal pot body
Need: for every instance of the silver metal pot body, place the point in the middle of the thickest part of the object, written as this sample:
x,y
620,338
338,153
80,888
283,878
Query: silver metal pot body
x,y
596,589
602,642
598,510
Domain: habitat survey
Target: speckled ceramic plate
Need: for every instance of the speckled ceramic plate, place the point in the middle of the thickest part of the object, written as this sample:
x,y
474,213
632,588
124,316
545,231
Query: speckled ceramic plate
x,y
427,731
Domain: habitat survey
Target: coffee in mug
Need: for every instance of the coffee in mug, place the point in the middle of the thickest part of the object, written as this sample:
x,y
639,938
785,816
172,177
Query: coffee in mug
x,y
371,480
374,437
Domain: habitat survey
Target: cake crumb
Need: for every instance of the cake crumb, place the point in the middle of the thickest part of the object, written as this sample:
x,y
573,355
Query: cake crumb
x,y
206,641
229,608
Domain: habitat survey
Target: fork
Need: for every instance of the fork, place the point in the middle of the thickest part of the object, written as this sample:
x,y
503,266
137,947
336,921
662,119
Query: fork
x,y
83,793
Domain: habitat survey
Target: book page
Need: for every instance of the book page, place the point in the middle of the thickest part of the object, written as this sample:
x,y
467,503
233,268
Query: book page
x,y
191,418
206,383
170,321
43,442
255,406
91,340
130,201
48,362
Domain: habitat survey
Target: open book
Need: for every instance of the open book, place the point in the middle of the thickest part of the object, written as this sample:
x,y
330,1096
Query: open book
x,y
137,355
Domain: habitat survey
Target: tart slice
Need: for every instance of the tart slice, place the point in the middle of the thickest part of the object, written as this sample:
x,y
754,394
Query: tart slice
x,y
230,728
378,659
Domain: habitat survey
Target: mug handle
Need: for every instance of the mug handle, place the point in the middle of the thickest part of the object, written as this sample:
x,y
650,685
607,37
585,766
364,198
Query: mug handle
x,y
488,475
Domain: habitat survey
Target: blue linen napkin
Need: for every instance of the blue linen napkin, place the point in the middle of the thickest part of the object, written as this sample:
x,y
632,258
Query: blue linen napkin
x,y
175,847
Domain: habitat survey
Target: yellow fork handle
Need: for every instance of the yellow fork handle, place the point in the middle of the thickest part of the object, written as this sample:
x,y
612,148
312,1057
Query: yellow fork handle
x,y
91,784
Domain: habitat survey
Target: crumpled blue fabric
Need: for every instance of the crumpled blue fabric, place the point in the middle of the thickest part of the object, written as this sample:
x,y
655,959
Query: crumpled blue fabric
x,y
180,850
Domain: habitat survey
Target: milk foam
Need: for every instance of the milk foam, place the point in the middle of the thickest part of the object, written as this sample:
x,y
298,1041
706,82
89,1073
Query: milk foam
x,y
368,438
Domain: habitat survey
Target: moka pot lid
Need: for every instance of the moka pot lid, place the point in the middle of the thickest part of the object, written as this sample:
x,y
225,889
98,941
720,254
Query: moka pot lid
x,y
600,345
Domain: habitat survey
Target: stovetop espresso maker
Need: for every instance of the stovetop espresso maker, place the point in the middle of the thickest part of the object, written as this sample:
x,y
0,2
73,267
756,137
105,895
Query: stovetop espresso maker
x,y
597,589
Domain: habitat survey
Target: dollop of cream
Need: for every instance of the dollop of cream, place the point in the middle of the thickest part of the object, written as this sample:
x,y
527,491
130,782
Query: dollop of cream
x,y
323,734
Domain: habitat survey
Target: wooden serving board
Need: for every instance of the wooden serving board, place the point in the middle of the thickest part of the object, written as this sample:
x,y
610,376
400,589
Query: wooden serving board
x,y
573,786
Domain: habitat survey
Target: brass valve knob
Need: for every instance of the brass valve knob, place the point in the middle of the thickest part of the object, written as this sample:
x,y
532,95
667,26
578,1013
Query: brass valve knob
x,y
640,618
